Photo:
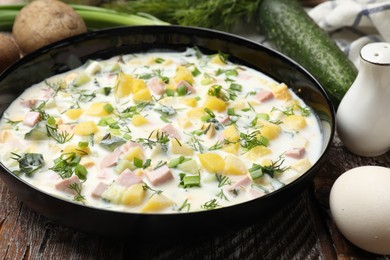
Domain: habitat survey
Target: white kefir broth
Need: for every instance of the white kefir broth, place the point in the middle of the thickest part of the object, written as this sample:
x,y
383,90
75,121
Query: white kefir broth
x,y
168,69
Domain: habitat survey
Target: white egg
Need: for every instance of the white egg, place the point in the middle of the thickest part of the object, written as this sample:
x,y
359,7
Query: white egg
x,y
360,207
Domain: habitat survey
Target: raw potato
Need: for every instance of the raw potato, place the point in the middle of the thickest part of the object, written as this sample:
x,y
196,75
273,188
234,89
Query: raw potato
x,y
43,22
9,51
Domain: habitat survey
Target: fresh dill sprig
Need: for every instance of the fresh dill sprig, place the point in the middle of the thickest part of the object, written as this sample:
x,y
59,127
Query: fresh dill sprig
x,y
60,137
185,205
211,204
257,170
161,139
12,122
222,195
223,180
253,139
146,187
77,187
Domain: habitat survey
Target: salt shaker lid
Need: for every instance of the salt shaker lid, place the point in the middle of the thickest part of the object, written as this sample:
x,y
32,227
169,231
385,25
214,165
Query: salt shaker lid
x,y
377,53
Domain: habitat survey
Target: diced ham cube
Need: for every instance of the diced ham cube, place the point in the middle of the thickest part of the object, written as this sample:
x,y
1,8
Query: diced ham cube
x,y
255,193
29,102
264,95
48,93
99,189
296,153
189,87
64,184
159,175
171,131
244,181
225,120
32,118
244,76
156,86
127,178
111,159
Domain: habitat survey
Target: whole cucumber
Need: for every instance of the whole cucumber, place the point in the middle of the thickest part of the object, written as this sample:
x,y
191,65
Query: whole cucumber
x,y
292,31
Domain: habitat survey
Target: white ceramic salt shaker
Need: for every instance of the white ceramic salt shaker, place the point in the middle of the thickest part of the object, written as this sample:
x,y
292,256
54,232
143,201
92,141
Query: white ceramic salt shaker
x,y
363,116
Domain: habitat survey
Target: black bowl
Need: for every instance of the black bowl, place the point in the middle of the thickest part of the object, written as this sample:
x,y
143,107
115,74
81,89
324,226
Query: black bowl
x,y
73,52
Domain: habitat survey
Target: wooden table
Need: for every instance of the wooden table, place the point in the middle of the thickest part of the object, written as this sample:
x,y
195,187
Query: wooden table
x,y
301,230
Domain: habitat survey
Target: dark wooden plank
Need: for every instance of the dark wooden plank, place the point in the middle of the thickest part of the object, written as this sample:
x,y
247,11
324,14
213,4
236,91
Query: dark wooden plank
x,y
288,234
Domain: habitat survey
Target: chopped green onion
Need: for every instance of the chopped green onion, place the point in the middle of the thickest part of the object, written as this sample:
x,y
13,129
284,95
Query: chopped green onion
x,y
138,162
256,171
181,90
108,107
188,181
159,60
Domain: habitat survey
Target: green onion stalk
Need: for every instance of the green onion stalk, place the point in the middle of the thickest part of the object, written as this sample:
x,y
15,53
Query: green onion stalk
x,y
94,17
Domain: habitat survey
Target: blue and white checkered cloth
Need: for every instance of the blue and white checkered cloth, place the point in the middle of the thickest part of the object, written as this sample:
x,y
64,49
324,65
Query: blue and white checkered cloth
x,y
354,23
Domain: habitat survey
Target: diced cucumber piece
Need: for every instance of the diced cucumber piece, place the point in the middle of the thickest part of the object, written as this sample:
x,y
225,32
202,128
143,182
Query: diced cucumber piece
x,y
124,164
114,193
190,166
39,132
81,79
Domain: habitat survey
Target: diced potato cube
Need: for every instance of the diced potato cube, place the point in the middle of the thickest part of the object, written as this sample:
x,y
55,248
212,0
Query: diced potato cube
x,y
302,165
142,95
231,148
212,162
85,128
135,152
231,133
181,148
139,120
182,73
196,113
215,104
270,131
217,60
98,109
73,148
184,122
258,151
86,162
157,202
134,195
190,166
266,162
233,165
281,92
294,104
138,84
123,85
191,102
294,122
240,105
5,135
299,141
74,113
114,193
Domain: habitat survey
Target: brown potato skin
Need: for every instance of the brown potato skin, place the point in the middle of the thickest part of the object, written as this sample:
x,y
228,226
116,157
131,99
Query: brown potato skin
x,y
43,22
9,51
